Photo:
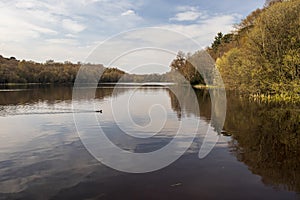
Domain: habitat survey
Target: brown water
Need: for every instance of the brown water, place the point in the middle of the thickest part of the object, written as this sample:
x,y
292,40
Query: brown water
x,y
42,157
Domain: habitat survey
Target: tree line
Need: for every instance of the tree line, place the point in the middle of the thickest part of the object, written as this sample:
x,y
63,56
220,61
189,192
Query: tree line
x,y
16,71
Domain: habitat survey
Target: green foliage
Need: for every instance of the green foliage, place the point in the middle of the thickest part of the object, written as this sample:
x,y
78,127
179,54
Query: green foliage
x,y
233,69
267,58
217,42
222,44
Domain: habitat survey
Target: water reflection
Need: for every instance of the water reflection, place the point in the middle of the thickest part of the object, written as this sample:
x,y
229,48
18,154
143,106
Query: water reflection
x,y
266,137
41,157
189,107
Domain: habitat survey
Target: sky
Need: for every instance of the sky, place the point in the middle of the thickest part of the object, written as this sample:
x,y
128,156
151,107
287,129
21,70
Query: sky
x,y
73,30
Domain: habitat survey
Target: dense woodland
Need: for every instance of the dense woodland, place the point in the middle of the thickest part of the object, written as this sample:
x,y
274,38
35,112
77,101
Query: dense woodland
x,y
15,71
262,56
259,58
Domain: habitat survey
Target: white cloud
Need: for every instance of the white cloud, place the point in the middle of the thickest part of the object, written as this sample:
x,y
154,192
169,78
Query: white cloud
x,y
25,4
72,26
70,35
63,41
128,13
186,8
15,26
188,13
86,2
186,16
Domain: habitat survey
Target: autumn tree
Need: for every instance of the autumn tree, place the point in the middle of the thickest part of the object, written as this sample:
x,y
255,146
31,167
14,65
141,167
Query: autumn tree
x,y
266,59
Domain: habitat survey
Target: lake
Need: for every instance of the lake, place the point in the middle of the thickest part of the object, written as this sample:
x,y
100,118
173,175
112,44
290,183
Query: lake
x,y
42,156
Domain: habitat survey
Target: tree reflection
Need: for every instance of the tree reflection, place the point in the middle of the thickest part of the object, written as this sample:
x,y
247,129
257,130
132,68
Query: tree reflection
x,y
189,105
38,99
50,94
266,137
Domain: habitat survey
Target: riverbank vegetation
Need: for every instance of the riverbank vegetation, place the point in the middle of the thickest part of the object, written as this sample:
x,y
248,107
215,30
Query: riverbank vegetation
x,y
261,58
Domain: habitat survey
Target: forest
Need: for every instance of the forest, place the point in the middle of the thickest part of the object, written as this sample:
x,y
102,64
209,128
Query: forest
x,y
50,72
261,58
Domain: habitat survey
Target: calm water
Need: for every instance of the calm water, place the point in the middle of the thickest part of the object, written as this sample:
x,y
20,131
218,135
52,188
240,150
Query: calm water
x,y
42,157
